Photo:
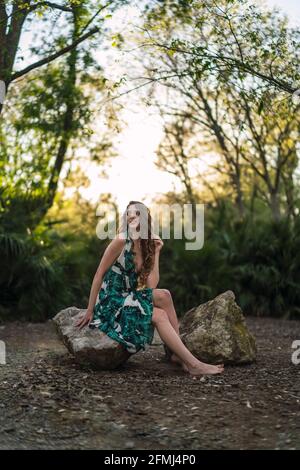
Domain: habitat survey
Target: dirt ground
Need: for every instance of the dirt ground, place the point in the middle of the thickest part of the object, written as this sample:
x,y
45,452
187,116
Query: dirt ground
x,y
47,401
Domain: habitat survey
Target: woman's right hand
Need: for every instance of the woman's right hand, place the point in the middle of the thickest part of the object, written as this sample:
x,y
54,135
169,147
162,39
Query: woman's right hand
x,y
85,319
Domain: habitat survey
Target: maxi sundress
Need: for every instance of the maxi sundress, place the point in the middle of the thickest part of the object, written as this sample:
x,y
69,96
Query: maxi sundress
x,y
122,310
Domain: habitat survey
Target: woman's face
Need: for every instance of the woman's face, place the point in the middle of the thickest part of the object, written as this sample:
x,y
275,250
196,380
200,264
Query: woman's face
x,y
133,217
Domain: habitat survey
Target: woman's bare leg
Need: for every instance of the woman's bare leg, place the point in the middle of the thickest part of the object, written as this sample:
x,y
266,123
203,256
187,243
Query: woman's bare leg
x,y
167,333
162,298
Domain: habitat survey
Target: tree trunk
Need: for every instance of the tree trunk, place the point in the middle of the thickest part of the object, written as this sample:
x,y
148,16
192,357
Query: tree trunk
x,y
10,33
66,131
239,200
275,205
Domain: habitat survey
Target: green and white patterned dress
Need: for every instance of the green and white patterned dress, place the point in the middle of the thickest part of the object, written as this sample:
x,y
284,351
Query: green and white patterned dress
x,y
122,310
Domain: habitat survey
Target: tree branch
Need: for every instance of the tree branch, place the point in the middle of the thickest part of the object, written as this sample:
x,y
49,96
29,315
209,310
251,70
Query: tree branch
x,y
51,5
95,15
232,62
54,56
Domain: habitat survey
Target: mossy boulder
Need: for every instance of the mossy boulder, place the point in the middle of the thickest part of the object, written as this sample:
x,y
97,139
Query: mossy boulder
x,y
216,332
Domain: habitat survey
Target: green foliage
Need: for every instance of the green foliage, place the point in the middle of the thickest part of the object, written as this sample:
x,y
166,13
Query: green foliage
x,y
44,272
259,260
48,264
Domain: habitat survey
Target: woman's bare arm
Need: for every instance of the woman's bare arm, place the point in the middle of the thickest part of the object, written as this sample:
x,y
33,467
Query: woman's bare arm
x,y
110,254
153,278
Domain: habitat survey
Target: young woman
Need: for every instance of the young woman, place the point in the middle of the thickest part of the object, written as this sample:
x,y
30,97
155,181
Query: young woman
x,y
124,301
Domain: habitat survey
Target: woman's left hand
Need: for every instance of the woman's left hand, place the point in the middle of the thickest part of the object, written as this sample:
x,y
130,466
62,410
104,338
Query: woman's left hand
x,y
158,243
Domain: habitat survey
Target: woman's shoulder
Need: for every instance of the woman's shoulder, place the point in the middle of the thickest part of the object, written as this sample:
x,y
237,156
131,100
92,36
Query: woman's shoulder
x,y
121,236
116,244
119,240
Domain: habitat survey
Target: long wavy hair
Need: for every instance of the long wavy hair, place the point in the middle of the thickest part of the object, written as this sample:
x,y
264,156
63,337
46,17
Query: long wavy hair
x,y
146,236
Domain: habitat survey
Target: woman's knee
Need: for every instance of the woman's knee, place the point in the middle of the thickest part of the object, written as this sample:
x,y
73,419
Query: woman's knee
x,y
162,296
159,315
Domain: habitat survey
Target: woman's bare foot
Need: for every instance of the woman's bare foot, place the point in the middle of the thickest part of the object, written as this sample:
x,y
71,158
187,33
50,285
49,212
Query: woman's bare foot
x,y
202,369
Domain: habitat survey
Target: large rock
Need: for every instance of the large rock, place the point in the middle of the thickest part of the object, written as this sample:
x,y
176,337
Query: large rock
x,y
216,332
88,345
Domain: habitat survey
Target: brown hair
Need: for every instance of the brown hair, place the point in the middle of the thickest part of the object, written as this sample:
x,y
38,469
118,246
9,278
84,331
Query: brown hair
x,y
147,242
